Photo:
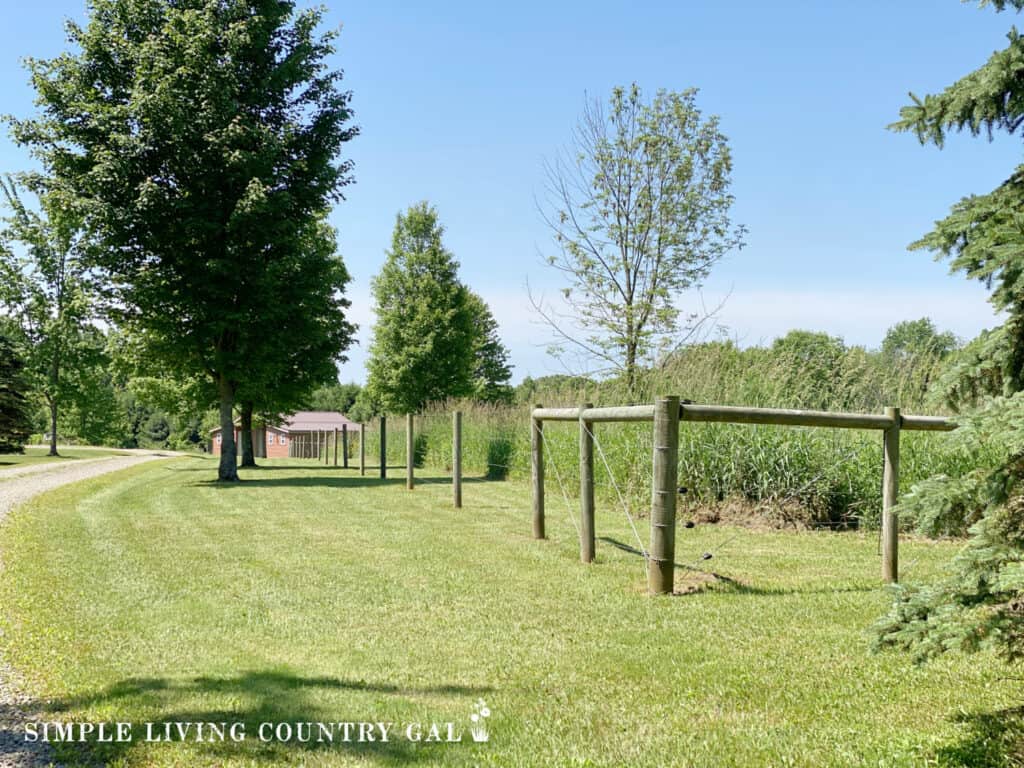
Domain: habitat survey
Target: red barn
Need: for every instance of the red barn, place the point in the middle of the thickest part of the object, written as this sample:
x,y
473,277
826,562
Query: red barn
x,y
304,434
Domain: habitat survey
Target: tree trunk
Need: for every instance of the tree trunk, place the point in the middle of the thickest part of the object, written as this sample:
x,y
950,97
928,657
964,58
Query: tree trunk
x,y
228,470
248,457
53,427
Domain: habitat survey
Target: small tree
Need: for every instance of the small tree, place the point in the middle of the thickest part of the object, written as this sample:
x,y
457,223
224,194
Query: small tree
x,y
15,409
639,213
424,342
47,291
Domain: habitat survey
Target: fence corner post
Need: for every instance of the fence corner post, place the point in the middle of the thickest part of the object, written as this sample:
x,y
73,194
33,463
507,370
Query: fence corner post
x,y
588,544
661,571
890,497
457,459
537,473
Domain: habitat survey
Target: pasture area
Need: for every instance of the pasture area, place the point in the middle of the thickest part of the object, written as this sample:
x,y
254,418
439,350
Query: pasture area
x,y
311,594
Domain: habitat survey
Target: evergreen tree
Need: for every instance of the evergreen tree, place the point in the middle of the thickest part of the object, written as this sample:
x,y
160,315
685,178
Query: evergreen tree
x,y
424,342
15,411
980,602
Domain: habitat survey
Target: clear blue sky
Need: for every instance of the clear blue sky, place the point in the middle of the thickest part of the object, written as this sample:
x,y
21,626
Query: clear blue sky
x,y
460,102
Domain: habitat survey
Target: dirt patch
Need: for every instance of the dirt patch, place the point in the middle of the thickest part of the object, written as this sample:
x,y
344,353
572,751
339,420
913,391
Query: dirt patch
x,y
759,515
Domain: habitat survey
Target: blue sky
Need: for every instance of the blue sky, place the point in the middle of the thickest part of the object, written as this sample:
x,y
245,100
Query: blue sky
x,y
459,103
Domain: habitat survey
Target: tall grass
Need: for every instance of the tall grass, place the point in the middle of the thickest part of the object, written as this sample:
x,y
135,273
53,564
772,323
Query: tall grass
x,y
804,475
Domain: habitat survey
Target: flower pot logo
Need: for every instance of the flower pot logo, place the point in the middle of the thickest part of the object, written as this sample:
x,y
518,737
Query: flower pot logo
x,y
479,721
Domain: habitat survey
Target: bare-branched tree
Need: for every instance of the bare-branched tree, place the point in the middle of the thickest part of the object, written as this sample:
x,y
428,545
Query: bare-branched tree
x,y
639,210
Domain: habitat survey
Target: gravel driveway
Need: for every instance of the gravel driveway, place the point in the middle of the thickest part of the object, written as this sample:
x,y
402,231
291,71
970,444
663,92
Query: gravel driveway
x,y
18,485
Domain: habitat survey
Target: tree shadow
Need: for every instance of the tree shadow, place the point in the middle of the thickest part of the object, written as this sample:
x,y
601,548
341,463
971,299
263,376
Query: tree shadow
x,y
992,740
255,697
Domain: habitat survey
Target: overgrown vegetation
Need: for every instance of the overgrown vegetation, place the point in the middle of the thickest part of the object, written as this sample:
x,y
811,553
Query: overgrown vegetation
x,y
785,475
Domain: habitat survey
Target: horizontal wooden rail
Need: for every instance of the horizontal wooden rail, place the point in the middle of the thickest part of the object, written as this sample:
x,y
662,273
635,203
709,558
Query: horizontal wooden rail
x,y
742,415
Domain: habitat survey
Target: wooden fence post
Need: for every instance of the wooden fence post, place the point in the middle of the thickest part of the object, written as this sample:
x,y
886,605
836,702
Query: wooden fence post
x,y
457,459
344,446
588,544
537,474
335,446
362,449
890,495
383,447
410,448
661,573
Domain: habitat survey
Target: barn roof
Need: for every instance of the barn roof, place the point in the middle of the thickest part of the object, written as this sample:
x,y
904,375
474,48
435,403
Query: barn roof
x,y
314,421
309,421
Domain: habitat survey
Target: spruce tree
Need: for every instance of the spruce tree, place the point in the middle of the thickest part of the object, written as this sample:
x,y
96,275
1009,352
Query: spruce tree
x,y
980,601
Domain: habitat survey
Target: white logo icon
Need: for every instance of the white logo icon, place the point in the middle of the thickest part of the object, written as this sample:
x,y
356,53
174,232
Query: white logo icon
x,y
479,720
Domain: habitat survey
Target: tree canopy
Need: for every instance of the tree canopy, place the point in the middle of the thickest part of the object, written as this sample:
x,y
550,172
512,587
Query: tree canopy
x,y
425,339
197,140
639,212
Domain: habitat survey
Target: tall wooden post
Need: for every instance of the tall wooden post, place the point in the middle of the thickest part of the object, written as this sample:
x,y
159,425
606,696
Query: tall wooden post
x,y
588,545
383,447
410,448
362,449
457,459
890,495
537,474
344,446
335,446
661,573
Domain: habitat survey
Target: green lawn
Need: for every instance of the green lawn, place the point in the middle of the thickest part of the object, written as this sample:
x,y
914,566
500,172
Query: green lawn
x,y
37,455
311,594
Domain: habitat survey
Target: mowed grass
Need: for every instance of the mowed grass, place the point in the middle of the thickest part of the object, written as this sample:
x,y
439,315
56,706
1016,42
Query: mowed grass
x,y
35,454
308,593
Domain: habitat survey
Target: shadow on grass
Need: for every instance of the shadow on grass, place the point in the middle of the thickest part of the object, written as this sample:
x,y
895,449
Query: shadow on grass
x,y
255,697
732,586
326,477
991,740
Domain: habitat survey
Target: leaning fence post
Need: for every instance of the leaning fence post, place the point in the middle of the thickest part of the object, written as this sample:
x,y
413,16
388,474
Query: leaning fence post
x,y
410,448
890,494
344,446
537,473
362,449
587,542
661,574
457,458
383,447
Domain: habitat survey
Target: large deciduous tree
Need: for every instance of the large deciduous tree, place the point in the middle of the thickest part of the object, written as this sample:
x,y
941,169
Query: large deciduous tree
x,y
640,210
297,335
199,138
424,341
980,601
